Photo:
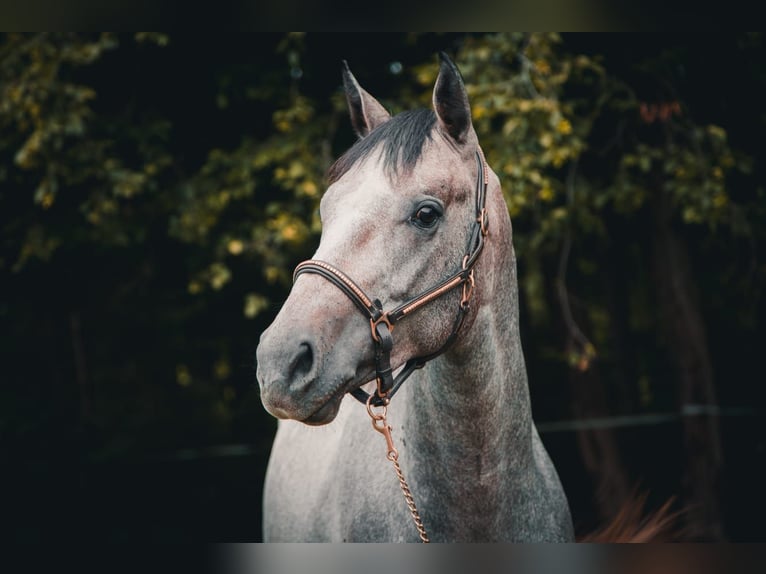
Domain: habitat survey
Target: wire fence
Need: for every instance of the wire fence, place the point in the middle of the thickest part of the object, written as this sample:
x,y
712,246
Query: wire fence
x,y
646,419
546,427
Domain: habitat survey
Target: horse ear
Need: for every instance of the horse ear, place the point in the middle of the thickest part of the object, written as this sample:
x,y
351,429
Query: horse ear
x,y
451,101
366,112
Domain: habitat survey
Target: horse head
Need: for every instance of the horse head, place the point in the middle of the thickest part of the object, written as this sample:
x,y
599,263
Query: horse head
x,y
398,219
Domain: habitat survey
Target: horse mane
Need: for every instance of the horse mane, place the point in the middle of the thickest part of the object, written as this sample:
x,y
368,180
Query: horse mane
x,y
633,524
402,138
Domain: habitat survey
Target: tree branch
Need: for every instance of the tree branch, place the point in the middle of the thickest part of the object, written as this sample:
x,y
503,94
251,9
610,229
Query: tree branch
x,y
573,329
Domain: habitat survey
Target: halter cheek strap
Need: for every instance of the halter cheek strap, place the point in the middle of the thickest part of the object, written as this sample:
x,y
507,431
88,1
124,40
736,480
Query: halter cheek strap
x,y
382,323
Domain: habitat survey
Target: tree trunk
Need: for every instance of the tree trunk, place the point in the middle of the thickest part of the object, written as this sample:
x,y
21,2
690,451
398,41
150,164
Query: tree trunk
x,y
598,447
684,330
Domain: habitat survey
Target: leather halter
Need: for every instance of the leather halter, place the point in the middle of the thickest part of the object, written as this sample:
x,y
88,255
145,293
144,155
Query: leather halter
x,y
382,323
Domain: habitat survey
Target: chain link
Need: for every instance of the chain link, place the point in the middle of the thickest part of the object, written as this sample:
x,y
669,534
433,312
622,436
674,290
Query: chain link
x,y
410,501
380,424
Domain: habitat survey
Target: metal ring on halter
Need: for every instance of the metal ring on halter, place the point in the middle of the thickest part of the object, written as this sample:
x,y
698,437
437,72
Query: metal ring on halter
x,y
373,415
374,323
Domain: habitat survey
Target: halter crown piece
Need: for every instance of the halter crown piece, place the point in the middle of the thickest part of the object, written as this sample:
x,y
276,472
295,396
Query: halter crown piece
x,y
382,323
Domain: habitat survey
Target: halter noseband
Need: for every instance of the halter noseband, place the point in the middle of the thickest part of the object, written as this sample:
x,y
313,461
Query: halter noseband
x,y
382,323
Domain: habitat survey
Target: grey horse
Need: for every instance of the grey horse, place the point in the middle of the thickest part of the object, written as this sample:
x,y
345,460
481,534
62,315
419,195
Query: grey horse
x,y
396,218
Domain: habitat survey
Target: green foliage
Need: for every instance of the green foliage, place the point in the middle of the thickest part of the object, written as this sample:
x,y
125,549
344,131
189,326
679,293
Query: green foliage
x,y
526,129
66,159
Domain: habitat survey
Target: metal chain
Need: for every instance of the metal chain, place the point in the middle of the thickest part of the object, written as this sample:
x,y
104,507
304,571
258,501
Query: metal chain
x,y
380,424
410,502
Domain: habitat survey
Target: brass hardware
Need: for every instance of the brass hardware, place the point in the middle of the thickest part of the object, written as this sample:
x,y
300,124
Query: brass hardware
x,y
483,221
382,319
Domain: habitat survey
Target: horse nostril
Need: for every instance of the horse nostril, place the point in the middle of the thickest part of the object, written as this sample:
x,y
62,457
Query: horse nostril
x,y
302,363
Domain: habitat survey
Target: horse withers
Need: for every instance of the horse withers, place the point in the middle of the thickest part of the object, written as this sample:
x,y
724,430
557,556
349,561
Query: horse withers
x,y
415,271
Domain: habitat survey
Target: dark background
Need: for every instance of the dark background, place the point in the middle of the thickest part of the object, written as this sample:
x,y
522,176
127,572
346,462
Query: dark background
x,y
128,403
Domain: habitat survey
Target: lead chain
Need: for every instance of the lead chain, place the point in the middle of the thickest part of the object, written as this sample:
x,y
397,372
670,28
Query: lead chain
x,y
380,424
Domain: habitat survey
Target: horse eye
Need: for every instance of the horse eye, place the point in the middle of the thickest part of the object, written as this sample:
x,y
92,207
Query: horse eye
x,y
426,216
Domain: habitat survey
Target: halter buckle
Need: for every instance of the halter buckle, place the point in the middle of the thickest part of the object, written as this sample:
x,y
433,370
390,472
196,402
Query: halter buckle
x,y
483,221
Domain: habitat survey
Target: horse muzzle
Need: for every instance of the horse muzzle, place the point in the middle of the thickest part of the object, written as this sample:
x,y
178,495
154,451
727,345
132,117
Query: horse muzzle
x,y
299,379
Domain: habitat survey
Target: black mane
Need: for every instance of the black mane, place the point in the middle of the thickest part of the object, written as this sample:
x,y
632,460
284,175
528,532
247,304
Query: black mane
x,y
402,136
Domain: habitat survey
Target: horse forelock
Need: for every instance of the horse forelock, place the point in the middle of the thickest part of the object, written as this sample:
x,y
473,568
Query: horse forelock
x,y
401,138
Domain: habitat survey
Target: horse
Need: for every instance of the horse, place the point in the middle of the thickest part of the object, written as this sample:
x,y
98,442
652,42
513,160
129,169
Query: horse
x,y
413,221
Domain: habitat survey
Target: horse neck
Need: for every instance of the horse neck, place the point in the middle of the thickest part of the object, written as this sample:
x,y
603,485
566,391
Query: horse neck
x,y
472,403
474,455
